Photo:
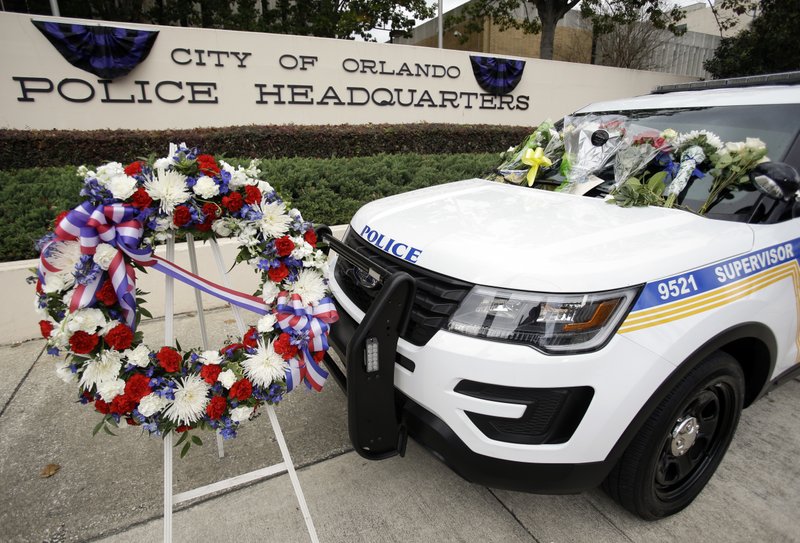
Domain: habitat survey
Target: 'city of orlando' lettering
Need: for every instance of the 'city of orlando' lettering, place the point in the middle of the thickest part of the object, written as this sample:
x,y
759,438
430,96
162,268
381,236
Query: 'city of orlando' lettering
x,y
280,94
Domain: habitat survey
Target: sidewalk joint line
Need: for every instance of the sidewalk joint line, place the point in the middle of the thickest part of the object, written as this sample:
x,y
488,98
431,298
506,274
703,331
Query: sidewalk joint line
x,y
513,515
609,520
21,381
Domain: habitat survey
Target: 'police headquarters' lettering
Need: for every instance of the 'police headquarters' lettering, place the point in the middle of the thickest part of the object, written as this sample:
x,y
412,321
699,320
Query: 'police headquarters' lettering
x,y
389,245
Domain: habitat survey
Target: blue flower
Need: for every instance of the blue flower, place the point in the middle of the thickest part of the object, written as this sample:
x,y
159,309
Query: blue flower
x,y
53,351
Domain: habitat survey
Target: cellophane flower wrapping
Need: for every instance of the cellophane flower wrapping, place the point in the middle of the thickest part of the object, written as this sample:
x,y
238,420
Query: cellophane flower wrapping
x,y
513,169
586,147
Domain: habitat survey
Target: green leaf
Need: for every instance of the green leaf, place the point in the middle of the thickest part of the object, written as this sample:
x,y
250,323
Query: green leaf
x,y
183,437
108,431
144,312
656,182
98,426
185,449
196,440
178,344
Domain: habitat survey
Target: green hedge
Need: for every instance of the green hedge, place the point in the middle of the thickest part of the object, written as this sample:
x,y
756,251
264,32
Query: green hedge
x,y
38,148
326,191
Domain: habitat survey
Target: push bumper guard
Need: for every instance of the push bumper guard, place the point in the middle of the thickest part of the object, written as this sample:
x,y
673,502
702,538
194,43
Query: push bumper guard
x,y
369,351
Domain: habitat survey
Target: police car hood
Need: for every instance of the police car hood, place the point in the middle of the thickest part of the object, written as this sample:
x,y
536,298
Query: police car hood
x,y
509,236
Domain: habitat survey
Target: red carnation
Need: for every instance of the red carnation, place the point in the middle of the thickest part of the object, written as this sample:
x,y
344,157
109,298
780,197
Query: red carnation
x,y
133,168
283,346
102,407
233,202
122,404
106,294
241,390
120,337
211,211
216,407
46,328
207,165
276,275
284,246
137,387
231,348
252,194
59,218
169,359
83,343
311,237
182,216
210,373
140,199
131,422
181,429
250,338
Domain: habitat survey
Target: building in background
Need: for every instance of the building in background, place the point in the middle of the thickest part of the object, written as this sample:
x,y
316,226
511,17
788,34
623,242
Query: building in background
x,y
655,50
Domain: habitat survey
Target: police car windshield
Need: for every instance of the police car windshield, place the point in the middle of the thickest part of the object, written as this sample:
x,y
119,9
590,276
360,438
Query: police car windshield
x,y
775,124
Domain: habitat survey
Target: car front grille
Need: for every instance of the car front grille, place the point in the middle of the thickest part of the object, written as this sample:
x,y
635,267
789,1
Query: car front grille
x,y
436,299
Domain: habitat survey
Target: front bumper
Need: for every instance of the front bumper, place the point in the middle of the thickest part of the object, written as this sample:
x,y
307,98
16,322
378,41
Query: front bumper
x,y
437,412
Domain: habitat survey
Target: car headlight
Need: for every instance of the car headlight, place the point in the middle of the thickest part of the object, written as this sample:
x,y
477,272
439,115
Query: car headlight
x,y
553,323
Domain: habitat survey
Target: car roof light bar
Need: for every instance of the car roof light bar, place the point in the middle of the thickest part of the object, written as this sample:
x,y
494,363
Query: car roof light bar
x,y
784,78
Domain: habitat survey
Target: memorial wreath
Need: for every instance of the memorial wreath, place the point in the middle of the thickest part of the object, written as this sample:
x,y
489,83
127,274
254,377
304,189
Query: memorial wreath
x,y
90,307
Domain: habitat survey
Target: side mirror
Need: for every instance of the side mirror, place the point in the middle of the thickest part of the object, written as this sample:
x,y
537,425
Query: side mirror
x,y
777,180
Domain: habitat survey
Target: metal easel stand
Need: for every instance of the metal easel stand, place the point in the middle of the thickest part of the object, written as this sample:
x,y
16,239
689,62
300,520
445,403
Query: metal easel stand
x,y
287,465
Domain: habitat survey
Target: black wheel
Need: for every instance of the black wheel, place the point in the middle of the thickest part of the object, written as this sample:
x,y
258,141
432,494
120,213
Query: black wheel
x,y
680,446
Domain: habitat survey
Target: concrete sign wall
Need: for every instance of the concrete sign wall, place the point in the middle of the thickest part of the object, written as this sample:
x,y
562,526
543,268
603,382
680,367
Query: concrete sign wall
x,y
206,78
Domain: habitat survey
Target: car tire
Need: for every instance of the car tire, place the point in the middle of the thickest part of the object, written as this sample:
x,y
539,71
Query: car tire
x,y
683,441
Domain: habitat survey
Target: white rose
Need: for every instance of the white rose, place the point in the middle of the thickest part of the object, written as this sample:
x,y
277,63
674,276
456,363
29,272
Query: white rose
x,y
269,291
241,413
754,144
227,378
151,404
109,390
104,254
64,372
122,186
669,134
211,357
266,323
205,187
734,147
140,356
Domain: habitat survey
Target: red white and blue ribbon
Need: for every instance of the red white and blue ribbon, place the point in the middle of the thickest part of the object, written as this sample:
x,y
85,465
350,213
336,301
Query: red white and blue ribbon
x,y
114,224
310,323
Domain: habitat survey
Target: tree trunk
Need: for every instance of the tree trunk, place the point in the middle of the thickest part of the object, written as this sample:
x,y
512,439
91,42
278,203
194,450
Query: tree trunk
x,y
549,18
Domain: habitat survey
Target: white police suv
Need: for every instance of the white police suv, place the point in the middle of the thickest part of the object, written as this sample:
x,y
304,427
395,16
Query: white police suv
x,y
550,342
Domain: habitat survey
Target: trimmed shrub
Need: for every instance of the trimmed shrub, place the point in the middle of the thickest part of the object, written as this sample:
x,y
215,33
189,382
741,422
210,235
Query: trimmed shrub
x,y
327,191
39,148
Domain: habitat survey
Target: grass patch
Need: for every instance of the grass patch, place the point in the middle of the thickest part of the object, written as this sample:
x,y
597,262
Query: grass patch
x,y
326,191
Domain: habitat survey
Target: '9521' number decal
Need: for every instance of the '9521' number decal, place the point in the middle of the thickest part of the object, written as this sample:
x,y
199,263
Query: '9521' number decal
x,y
677,287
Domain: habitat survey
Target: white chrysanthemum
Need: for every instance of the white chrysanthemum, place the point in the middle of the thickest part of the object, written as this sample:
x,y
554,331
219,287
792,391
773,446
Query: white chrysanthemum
x,y
169,188
64,372
87,320
274,221
103,255
205,187
140,356
151,404
107,172
269,291
241,413
211,357
222,227
264,366
266,323
122,186
191,398
101,369
711,138
227,378
310,286
110,389
64,255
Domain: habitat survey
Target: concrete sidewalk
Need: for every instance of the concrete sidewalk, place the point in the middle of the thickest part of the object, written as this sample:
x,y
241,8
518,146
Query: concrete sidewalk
x,y
110,488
